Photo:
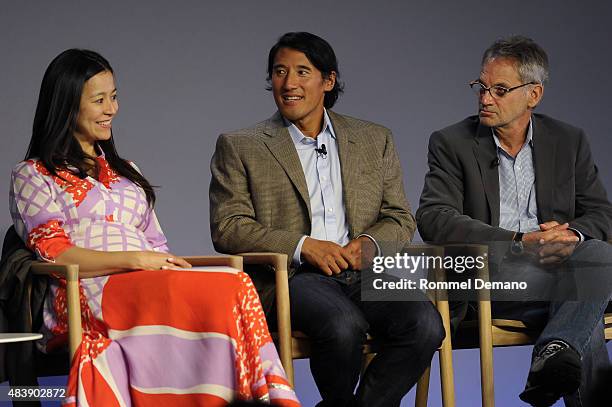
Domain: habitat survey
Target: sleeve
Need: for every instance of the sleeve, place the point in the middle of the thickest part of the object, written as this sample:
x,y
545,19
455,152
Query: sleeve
x,y
395,225
36,214
297,255
154,234
593,209
233,223
151,227
378,249
440,215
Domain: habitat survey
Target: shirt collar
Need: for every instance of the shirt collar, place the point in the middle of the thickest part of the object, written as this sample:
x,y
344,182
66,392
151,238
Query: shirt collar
x,y
100,157
299,138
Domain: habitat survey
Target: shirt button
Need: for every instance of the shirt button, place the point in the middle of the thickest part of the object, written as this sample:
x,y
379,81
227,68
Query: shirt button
x,y
324,178
330,210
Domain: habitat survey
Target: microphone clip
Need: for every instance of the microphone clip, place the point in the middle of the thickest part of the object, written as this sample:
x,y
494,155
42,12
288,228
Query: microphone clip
x,y
321,152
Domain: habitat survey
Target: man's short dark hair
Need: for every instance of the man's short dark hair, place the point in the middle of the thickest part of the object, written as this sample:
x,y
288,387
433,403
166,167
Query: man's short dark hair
x,y
319,53
531,59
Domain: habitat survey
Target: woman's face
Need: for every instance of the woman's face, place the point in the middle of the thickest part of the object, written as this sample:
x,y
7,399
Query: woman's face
x,y
98,107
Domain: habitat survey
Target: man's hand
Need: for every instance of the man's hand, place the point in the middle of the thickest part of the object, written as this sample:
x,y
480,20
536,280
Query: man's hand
x,y
554,225
554,253
550,232
362,248
553,243
329,257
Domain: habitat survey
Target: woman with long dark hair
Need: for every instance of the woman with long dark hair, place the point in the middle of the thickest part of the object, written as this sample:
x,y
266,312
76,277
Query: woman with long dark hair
x,y
156,335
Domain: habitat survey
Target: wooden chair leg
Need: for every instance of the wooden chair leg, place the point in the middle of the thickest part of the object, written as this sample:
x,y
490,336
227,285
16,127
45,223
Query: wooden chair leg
x,y
446,358
446,350
486,353
283,316
422,390
75,329
283,306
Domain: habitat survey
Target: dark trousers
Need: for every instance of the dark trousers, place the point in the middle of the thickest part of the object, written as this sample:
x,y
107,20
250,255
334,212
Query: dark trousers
x,y
330,311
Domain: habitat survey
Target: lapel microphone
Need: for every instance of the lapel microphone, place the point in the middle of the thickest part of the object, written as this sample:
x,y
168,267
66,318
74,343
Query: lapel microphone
x,y
495,163
321,152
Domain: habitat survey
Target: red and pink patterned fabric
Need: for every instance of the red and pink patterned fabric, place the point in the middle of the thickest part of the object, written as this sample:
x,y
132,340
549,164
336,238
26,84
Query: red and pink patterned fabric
x,y
151,337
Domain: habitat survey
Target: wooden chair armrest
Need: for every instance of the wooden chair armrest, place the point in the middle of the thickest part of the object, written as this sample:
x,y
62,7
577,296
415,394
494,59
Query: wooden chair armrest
x,y
68,271
276,260
223,260
64,270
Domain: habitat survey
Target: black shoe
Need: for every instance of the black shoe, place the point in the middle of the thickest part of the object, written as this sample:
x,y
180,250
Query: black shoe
x,y
555,372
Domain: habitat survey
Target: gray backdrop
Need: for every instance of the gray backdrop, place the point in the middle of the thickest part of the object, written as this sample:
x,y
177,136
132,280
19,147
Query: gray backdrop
x,y
188,71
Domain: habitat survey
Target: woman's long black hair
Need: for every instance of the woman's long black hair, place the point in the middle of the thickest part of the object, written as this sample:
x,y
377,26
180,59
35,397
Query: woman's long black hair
x,y
53,141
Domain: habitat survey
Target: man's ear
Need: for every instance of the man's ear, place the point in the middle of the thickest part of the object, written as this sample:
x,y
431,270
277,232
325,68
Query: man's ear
x,y
330,81
535,95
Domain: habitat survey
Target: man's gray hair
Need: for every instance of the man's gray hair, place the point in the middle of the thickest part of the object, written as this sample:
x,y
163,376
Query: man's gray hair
x,y
531,59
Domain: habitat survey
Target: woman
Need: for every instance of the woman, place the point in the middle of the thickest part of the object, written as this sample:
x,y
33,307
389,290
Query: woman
x,y
152,336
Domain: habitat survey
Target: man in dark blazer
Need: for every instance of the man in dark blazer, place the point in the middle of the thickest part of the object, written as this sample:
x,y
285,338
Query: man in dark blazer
x,y
321,187
526,183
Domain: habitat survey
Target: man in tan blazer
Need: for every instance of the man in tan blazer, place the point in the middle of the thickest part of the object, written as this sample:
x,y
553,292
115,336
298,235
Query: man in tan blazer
x,y
321,187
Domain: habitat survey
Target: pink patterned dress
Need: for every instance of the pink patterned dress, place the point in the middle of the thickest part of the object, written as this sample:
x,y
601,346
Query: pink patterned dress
x,y
150,337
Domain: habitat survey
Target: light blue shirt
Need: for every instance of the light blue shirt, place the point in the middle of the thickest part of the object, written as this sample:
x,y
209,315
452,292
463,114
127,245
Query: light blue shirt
x,y
324,181
518,209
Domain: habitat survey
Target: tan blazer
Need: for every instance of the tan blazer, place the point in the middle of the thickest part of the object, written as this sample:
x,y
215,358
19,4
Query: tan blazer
x,y
259,199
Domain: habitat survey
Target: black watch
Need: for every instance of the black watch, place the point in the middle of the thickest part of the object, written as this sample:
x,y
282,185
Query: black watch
x,y
517,244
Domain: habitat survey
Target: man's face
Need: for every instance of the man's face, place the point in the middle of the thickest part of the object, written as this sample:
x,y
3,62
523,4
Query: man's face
x,y
512,108
299,89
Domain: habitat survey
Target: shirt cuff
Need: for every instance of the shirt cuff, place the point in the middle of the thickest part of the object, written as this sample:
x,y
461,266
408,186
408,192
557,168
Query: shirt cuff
x,y
580,235
378,251
297,255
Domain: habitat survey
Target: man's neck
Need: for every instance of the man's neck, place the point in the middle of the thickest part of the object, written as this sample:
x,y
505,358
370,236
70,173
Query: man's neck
x,y
512,137
311,126
310,129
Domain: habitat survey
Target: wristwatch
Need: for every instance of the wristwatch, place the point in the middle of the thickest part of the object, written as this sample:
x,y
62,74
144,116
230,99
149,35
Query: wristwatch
x,y
517,244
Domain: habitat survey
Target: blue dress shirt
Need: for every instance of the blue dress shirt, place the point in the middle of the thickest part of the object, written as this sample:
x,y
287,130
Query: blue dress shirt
x,y
518,209
324,181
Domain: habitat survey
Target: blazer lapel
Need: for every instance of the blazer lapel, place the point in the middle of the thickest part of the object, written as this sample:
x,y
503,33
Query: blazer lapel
x,y
485,152
282,148
349,153
544,148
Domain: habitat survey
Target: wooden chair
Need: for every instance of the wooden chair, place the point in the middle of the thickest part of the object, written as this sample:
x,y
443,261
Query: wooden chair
x,y
295,344
486,333
71,274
